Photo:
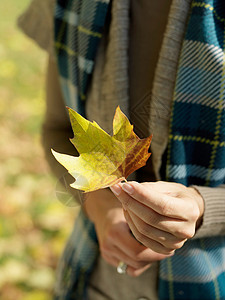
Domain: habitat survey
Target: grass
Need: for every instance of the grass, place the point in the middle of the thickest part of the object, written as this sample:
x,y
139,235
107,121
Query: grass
x,y
34,225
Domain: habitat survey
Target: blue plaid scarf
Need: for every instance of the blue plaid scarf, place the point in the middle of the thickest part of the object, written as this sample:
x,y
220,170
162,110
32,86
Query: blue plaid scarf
x,y
196,149
79,26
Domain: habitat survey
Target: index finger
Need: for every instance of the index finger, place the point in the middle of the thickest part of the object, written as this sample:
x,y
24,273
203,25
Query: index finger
x,y
162,203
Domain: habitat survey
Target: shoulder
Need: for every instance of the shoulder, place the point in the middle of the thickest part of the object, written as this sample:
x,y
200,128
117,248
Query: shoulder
x,y
37,23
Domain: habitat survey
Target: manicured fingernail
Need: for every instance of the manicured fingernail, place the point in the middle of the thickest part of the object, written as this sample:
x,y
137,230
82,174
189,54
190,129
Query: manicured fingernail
x,y
128,188
116,189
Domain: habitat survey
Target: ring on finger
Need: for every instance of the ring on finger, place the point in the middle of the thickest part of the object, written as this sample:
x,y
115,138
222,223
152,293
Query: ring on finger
x,y
121,268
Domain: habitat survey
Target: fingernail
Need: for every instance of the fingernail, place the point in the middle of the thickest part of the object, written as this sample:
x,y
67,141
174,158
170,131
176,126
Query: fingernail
x,y
116,189
128,188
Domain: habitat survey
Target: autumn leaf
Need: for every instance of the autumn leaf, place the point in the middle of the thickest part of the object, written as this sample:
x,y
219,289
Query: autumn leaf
x,y
104,160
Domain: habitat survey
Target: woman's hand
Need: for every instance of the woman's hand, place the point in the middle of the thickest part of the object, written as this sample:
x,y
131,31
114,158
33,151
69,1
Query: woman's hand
x,y
115,239
161,215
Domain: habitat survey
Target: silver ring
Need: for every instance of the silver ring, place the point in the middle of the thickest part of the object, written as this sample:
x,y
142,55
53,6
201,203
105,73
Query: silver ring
x,y
121,268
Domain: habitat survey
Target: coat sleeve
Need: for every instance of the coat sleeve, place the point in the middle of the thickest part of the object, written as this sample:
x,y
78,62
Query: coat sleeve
x,y
213,223
37,23
57,131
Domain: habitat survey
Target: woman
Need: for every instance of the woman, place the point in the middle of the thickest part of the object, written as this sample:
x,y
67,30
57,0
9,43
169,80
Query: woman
x,y
155,60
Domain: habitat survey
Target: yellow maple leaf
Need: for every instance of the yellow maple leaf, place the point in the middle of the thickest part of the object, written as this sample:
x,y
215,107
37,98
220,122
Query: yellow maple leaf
x,y
104,160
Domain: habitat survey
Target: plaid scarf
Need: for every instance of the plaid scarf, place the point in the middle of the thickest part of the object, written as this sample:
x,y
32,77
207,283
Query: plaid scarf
x,y
197,269
79,26
78,29
196,149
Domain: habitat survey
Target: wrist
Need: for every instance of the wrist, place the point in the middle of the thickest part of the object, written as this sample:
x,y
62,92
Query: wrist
x,y
99,203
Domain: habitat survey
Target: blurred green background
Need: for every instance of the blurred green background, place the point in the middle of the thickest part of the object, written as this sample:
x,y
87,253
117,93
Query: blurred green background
x,y
33,223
